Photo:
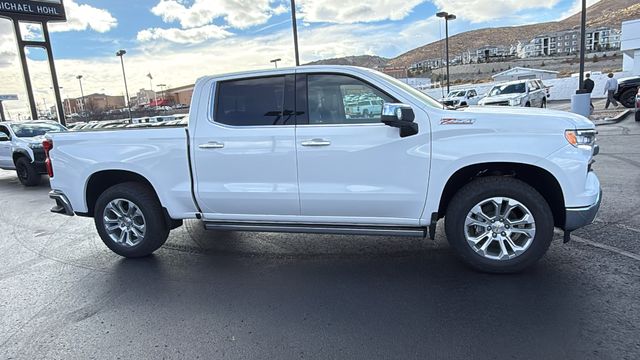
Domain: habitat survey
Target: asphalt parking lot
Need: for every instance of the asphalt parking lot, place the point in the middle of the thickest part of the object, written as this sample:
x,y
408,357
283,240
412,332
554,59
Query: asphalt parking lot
x,y
64,295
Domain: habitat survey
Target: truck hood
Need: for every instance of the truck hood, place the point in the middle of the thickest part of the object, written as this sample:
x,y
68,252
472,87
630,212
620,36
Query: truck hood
x,y
30,140
565,119
452,98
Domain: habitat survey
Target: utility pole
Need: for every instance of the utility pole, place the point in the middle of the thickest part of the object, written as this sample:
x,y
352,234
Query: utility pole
x,y
295,31
583,36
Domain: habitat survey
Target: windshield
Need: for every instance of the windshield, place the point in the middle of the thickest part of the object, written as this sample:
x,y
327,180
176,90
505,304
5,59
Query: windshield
x,y
426,99
35,129
518,88
457,94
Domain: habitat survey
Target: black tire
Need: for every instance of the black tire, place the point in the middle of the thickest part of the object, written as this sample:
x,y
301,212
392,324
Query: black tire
x,y
628,98
528,104
637,114
27,173
157,229
485,188
544,104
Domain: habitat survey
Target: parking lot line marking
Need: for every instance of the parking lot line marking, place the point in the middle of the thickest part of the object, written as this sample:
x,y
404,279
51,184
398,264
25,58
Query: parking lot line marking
x,y
603,246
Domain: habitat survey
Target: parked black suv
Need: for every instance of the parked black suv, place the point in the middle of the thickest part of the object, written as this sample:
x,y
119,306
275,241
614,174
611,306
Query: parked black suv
x,y
627,90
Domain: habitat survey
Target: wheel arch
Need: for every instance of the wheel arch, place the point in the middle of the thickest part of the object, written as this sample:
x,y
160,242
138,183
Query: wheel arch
x,y
20,153
100,181
540,179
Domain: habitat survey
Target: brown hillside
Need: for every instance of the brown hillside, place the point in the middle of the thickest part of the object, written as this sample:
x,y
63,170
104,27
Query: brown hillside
x,y
604,13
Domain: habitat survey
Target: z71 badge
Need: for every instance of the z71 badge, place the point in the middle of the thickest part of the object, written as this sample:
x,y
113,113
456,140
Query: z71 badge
x,y
454,121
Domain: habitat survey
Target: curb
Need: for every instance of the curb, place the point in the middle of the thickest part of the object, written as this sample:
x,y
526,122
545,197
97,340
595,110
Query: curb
x,y
614,120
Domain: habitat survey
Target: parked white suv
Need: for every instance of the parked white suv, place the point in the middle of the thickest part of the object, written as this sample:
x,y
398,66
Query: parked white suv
x,y
21,148
525,93
276,151
461,98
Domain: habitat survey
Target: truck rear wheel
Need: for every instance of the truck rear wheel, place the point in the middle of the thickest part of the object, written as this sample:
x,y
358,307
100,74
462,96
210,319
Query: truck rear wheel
x,y
499,225
27,173
130,220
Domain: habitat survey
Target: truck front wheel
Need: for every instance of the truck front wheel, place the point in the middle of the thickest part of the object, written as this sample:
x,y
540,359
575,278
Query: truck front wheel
x,y
130,221
499,224
27,173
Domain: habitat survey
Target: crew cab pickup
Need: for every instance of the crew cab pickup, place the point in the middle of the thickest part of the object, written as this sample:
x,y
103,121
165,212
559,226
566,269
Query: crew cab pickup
x,y
274,151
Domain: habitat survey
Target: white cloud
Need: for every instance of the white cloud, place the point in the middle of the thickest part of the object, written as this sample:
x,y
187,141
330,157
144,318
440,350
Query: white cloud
x,y
477,11
576,8
349,12
82,17
244,52
239,14
184,36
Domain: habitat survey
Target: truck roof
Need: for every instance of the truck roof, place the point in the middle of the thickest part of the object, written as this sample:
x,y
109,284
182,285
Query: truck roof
x,y
284,70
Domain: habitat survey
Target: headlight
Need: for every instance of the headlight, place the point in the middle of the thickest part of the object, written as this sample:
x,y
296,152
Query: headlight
x,y
35,146
581,138
515,102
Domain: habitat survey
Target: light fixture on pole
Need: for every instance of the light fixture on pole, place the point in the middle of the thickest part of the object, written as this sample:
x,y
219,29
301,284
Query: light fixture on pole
x,y
295,31
79,77
275,62
447,17
121,54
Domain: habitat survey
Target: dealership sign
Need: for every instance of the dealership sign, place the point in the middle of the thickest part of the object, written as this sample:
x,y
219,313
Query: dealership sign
x,y
47,10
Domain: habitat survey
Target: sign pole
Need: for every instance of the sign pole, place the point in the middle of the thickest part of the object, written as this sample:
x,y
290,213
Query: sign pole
x,y
54,76
2,118
25,69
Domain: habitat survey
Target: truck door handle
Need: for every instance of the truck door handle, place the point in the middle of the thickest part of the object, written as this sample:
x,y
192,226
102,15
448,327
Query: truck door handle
x,y
316,142
212,145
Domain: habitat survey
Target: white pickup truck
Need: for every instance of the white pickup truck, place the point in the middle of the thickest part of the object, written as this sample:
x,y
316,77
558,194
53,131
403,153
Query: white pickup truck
x,y
274,151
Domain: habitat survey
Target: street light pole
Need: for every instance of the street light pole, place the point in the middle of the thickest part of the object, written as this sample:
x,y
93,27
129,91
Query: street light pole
x,y
275,62
79,77
295,31
447,17
121,54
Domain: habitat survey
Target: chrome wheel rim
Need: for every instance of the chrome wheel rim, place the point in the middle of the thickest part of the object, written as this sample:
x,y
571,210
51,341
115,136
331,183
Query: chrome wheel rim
x,y
124,222
499,228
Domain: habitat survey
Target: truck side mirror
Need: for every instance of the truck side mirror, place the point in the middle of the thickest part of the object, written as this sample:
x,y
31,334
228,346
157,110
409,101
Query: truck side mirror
x,y
400,116
4,137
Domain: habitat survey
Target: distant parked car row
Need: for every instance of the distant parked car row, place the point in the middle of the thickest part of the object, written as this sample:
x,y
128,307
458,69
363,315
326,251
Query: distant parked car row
x,y
524,93
168,120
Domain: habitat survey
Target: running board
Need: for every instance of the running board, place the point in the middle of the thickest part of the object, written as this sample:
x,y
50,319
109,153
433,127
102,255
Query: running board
x,y
317,228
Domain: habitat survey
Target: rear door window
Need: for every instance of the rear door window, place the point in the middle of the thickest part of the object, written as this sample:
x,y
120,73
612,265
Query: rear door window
x,y
251,102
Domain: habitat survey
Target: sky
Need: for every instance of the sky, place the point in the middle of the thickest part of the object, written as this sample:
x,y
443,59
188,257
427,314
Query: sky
x,y
177,41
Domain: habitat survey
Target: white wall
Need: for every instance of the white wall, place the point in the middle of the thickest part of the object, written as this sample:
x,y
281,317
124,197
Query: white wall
x,y
630,46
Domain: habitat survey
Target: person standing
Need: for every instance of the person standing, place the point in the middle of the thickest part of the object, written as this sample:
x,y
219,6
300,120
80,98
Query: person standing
x,y
610,88
588,86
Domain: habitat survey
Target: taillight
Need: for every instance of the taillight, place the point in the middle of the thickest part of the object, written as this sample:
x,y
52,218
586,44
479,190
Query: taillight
x,y
47,145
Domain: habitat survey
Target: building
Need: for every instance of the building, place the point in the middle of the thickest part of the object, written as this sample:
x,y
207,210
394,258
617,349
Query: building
x,y
396,72
520,73
630,46
428,64
180,95
144,97
567,42
488,52
93,103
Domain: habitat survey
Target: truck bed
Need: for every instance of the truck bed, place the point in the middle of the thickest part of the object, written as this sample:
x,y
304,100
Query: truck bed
x,y
159,154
